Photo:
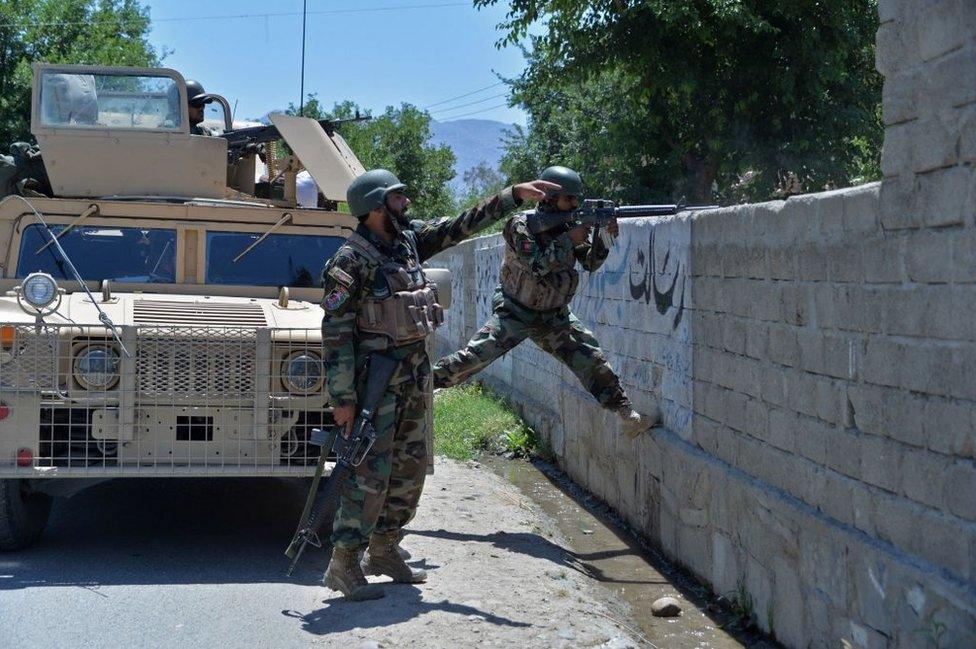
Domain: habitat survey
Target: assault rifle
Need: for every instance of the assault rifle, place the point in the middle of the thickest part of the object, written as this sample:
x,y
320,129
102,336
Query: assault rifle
x,y
239,138
320,507
601,212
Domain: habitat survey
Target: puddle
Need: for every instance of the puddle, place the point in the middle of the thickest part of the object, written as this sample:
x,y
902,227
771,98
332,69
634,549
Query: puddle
x,y
611,556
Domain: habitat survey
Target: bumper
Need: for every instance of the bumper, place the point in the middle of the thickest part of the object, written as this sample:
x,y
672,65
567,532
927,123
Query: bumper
x,y
189,401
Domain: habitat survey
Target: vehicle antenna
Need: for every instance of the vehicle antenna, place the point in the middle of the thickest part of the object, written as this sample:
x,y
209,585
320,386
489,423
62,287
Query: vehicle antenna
x,y
301,98
102,316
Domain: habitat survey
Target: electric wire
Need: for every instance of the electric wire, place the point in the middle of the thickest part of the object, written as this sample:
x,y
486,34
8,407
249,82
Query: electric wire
x,y
470,103
467,94
475,112
321,12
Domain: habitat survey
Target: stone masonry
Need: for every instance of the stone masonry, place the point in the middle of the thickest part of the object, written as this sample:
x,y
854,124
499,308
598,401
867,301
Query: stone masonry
x,y
815,359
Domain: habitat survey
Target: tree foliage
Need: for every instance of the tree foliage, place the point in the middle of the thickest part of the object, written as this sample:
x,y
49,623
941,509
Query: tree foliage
x,y
94,32
480,182
663,99
398,140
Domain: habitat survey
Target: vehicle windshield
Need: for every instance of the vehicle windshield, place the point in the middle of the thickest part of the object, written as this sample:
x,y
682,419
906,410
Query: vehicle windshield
x,y
109,100
280,260
121,254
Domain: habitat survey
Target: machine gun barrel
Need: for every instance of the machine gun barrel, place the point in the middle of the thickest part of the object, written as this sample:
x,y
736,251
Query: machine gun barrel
x,y
241,137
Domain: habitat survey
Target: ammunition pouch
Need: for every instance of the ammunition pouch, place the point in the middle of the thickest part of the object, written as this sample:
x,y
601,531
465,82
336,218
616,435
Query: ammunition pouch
x,y
404,317
552,291
409,312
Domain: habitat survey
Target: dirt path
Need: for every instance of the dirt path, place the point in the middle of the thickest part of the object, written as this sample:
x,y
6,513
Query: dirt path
x,y
498,576
198,563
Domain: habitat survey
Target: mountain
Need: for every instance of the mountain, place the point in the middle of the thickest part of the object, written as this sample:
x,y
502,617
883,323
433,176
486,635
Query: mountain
x,y
472,140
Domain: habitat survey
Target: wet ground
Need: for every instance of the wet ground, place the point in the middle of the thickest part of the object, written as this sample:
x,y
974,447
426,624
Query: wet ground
x,y
611,555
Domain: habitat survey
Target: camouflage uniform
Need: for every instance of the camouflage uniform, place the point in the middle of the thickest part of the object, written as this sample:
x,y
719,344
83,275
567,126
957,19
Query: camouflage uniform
x,y
549,265
381,496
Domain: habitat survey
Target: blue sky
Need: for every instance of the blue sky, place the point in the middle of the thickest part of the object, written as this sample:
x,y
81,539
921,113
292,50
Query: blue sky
x,y
399,50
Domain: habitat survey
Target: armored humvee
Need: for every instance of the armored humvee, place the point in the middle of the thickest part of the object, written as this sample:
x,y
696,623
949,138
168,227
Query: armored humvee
x,y
191,346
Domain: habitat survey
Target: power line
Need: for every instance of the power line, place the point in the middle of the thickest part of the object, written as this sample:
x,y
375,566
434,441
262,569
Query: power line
x,y
323,12
467,94
475,112
471,103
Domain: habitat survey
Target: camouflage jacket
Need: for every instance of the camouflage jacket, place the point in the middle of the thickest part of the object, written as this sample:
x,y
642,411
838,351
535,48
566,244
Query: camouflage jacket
x,y
547,254
349,275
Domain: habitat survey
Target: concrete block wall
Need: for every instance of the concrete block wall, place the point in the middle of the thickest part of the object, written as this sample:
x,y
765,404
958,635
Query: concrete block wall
x,y
815,359
819,403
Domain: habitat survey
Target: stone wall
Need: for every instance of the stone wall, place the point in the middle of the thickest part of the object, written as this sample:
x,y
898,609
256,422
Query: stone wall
x,y
819,406
815,359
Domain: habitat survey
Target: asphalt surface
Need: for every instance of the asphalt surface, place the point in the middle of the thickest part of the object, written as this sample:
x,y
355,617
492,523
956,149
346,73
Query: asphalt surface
x,y
199,563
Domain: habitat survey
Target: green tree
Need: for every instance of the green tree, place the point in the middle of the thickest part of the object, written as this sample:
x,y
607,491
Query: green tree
x,y
398,140
684,98
480,182
94,32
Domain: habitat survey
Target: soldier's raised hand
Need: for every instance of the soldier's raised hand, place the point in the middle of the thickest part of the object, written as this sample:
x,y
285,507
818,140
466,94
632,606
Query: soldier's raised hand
x,y
534,191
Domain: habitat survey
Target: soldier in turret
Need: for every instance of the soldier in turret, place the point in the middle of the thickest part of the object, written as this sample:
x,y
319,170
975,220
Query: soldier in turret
x,y
377,299
537,281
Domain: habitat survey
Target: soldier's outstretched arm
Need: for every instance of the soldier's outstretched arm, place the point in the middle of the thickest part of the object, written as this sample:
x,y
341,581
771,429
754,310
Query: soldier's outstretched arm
x,y
342,280
440,234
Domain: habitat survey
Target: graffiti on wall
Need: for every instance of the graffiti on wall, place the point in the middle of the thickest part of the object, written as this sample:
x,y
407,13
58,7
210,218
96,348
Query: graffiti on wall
x,y
647,282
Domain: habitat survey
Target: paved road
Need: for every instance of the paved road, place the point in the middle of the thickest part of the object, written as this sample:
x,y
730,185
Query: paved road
x,y
186,563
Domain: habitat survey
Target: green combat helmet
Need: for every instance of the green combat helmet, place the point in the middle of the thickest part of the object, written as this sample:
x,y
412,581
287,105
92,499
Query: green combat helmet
x,y
369,191
569,180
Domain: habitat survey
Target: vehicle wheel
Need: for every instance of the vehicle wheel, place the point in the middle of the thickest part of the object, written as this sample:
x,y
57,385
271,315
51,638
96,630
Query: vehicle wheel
x,y
23,514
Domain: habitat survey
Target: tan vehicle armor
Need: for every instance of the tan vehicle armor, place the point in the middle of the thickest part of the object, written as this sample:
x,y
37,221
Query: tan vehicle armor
x,y
159,307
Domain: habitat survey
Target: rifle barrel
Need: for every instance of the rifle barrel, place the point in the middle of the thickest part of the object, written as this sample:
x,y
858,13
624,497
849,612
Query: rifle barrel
x,y
633,211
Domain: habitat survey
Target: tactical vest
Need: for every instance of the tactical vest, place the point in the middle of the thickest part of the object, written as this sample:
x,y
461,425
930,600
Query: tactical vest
x,y
408,311
541,293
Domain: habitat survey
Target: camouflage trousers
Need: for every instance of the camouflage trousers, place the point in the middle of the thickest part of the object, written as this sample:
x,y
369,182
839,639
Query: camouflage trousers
x,y
381,496
557,332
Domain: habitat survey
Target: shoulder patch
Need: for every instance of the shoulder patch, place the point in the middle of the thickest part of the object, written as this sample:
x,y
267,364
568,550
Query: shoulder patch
x,y
336,298
341,276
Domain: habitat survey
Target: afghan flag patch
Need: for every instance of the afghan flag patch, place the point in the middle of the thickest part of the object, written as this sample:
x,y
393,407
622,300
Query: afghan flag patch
x,y
336,298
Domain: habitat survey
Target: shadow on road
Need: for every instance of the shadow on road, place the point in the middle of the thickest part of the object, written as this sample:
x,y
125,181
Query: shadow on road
x,y
540,547
168,531
403,602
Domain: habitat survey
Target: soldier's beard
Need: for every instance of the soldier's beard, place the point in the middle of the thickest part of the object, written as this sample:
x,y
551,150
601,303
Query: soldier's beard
x,y
551,208
395,223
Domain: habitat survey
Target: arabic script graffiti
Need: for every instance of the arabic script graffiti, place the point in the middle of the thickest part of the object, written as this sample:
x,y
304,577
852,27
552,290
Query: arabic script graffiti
x,y
644,281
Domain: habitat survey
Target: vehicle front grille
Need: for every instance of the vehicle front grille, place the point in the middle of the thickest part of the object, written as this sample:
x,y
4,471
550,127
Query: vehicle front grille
x,y
202,313
28,357
216,363
190,400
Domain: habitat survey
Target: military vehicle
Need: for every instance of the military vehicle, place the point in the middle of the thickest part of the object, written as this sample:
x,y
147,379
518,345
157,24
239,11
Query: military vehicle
x,y
158,317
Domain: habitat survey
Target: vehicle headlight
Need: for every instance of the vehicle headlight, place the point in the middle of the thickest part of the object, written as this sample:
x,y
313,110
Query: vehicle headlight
x,y
97,367
301,373
39,290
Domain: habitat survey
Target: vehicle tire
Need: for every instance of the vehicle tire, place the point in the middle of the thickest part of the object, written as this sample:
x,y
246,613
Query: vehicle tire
x,y
23,514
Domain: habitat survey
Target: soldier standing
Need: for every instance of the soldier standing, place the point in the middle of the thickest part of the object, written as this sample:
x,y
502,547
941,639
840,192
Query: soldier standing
x,y
537,281
378,300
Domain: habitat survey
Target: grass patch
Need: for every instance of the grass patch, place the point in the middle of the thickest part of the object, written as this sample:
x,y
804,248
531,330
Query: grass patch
x,y
468,421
